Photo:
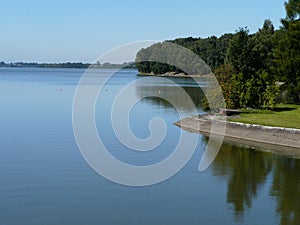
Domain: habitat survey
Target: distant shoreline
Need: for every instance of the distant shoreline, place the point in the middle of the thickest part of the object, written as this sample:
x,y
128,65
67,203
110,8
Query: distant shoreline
x,y
69,65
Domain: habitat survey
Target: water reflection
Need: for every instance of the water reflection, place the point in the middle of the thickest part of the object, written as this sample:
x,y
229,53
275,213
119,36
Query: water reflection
x,y
144,90
247,171
286,189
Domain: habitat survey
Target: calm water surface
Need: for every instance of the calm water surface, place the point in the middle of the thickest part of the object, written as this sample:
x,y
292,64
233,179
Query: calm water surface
x,y
45,180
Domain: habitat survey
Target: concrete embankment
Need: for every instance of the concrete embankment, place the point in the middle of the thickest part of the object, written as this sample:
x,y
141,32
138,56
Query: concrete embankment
x,y
276,139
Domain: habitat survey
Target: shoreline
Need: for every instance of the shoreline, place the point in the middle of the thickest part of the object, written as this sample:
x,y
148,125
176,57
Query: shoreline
x,y
273,139
180,75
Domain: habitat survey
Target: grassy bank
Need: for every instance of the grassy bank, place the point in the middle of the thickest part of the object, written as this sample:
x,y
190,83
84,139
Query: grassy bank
x,y
282,116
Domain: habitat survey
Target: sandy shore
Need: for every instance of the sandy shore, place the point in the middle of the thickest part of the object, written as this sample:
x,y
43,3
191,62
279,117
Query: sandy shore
x,y
275,139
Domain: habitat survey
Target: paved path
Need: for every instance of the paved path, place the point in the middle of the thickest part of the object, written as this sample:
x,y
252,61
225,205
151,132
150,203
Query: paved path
x,y
275,139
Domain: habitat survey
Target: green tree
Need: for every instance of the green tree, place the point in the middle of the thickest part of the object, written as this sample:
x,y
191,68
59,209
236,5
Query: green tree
x,y
292,10
242,58
240,54
287,49
251,57
225,75
263,46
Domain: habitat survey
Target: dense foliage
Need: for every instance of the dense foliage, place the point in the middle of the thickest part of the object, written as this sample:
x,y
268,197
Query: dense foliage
x,y
254,70
212,50
287,50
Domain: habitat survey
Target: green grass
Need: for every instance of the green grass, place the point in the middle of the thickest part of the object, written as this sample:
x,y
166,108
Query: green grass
x,y
282,116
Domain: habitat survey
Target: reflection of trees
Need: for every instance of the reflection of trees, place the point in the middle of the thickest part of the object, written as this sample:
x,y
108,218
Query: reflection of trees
x,y
286,189
246,170
170,92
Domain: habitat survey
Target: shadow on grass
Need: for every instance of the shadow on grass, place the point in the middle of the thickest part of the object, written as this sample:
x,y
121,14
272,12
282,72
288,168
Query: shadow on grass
x,y
283,109
269,110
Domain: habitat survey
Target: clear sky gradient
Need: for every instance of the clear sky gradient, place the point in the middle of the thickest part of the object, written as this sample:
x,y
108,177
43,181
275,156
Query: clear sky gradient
x,y
61,30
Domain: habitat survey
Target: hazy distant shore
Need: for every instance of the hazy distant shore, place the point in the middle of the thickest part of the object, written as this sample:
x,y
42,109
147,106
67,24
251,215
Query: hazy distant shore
x,y
71,65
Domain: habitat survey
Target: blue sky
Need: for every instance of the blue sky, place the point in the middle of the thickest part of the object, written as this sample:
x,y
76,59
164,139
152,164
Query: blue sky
x,y
60,31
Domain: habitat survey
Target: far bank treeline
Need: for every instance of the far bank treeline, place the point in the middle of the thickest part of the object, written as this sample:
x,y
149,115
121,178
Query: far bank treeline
x,y
254,70
73,65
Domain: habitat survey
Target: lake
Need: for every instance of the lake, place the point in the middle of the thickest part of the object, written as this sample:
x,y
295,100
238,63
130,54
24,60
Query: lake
x,y
45,180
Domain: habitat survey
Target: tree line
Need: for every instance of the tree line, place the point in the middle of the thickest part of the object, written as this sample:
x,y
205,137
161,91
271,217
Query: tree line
x,y
254,70
75,65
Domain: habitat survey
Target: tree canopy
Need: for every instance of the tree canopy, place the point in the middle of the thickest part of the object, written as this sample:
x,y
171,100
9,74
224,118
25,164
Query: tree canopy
x,y
287,50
